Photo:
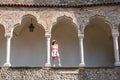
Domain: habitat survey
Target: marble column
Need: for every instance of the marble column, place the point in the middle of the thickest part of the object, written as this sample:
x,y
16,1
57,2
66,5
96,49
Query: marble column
x,y
48,37
116,48
7,63
81,37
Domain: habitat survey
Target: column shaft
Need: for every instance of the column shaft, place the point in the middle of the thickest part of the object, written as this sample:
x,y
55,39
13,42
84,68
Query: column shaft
x,y
81,50
116,49
8,51
48,64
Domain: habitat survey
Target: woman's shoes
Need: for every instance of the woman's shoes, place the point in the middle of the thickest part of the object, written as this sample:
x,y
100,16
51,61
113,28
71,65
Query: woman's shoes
x,y
58,65
54,65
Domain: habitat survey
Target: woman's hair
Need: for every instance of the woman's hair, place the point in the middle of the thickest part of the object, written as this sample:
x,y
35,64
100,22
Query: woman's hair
x,y
53,42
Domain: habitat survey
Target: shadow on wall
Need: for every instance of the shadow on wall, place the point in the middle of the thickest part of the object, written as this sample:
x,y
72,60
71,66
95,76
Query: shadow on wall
x,y
2,45
98,44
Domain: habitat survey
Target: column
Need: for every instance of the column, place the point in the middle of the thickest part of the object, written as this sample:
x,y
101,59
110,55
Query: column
x,y
81,36
116,48
8,37
48,36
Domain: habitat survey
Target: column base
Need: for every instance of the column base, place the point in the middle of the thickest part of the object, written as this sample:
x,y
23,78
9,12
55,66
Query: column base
x,y
47,65
117,64
7,64
82,65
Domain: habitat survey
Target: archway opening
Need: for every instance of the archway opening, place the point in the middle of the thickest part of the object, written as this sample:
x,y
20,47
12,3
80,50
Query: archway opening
x,y
98,43
65,32
2,45
28,48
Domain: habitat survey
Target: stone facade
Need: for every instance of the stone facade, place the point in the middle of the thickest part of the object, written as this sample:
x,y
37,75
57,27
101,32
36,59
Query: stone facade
x,y
37,73
48,16
12,17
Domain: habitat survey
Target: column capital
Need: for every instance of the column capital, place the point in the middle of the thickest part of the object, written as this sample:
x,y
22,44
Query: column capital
x,y
81,35
48,35
115,32
8,35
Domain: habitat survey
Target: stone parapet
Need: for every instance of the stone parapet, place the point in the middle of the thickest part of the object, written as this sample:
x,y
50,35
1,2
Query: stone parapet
x,y
59,73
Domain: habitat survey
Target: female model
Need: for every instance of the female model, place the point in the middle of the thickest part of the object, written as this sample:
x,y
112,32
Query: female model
x,y
55,53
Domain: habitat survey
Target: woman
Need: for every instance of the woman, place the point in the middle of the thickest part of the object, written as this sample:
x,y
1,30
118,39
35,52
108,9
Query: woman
x,y
55,53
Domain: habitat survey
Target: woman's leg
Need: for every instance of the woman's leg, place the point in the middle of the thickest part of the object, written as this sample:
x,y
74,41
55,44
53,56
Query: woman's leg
x,y
59,63
58,59
53,60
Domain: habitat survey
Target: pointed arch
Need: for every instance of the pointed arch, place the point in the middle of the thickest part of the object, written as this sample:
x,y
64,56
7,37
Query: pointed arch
x,y
98,42
66,33
66,18
26,19
28,48
102,19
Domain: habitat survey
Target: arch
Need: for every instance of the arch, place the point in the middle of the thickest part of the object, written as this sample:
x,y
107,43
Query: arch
x,y
102,18
66,33
66,18
23,20
28,48
2,45
98,42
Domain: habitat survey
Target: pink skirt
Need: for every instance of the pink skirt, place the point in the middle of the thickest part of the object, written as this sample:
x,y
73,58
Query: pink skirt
x,y
54,53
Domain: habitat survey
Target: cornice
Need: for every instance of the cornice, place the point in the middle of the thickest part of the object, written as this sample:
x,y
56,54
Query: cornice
x,y
60,5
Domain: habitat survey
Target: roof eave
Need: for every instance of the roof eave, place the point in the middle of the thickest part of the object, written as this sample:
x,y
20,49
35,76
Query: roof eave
x,y
60,5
